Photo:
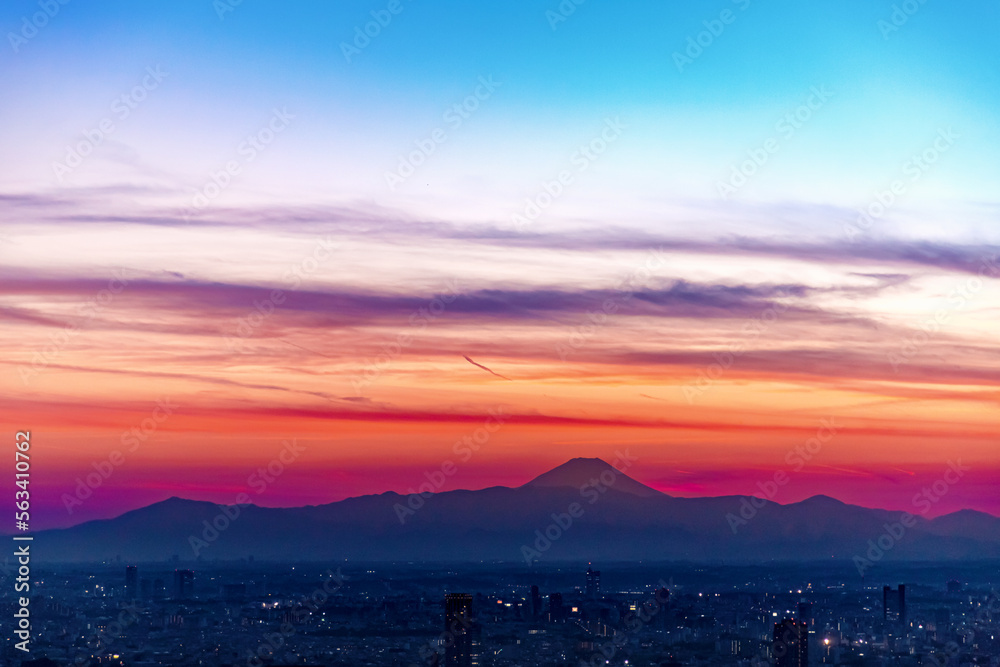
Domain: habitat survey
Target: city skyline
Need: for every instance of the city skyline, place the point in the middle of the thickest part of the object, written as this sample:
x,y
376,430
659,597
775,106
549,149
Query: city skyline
x,y
549,332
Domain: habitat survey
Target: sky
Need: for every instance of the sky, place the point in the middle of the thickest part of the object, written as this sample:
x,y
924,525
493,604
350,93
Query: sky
x,y
731,238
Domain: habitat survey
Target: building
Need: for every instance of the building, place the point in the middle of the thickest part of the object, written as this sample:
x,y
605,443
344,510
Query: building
x,y
555,607
805,613
790,646
183,584
902,605
593,583
131,582
942,624
536,603
894,606
460,645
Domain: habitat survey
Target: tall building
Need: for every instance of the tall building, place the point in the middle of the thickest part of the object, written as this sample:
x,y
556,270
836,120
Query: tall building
x,y
593,583
790,645
555,607
461,649
536,602
183,584
131,582
806,612
894,606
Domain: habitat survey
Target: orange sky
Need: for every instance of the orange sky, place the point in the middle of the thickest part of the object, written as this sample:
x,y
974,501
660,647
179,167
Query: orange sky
x,y
713,381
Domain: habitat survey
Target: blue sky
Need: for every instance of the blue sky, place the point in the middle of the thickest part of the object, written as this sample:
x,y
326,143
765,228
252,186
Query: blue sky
x,y
687,129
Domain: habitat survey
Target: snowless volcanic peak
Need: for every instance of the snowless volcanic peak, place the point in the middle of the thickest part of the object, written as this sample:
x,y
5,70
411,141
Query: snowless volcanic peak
x,y
581,471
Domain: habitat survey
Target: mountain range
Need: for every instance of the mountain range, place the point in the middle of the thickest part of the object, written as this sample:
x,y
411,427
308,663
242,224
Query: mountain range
x,y
584,509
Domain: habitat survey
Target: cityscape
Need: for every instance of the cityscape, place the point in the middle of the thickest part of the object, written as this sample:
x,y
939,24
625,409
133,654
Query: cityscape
x,y
411,333
249,613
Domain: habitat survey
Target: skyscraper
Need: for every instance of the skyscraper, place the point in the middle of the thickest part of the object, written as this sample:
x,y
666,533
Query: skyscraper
x,y
894,606
131,582
183,584
791,643
460,647
593,583
805,612
536,602
555,607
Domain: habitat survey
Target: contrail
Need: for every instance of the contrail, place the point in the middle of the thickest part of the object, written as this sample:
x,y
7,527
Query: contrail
x,y
486,369
305,348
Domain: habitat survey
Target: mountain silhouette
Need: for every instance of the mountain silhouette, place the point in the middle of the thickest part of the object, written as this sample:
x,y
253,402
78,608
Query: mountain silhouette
x,y
584,509
580,472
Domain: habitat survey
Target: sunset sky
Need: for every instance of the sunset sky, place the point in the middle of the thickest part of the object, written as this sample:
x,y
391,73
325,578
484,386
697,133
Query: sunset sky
x,y
638,226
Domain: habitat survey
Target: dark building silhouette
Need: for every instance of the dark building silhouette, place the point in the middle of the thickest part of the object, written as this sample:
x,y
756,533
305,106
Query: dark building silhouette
x,y
593,583
460,645
555,607
790,645
902,605
183,584
662,596
131,581
806,613
894,606
536,602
